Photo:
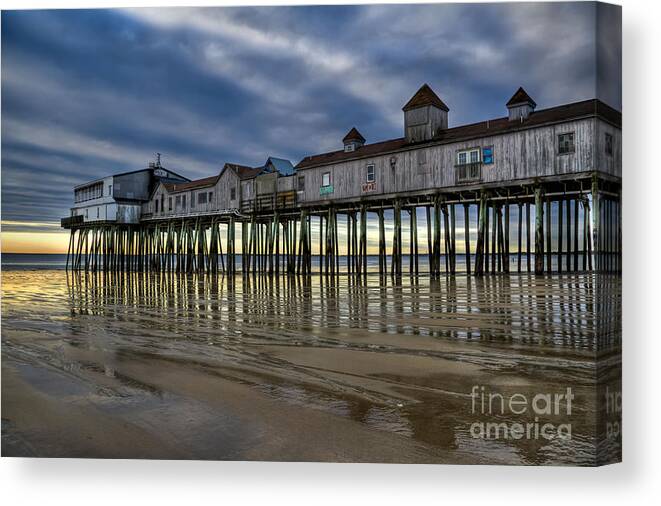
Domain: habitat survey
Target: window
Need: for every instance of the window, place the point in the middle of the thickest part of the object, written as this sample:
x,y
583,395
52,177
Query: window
x,y
170,203
326,179
422,157
487,155
177,201
202,198
97,213
110,189
232,193
183,201
87,214
468,156
156,206
163,203
566,143
370,173
609,144
210,197
301,183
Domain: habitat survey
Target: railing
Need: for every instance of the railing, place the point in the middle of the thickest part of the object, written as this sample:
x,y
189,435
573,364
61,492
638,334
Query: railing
x,y
468,173
270,202
71,221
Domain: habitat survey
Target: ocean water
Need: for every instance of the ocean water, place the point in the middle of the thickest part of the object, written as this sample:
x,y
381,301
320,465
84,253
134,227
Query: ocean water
x,y
285,368
29,261
22,261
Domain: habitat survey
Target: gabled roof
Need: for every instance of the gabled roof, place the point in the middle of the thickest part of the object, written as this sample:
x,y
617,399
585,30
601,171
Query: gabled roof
x,y
587,108
282,166
425,96
191,185
520,97
353,135
243,171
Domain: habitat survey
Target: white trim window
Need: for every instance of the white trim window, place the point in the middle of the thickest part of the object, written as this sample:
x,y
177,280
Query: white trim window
x,y
326,179
370,173
467,156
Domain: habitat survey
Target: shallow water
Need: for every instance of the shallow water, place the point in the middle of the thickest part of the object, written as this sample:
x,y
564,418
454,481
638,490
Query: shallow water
x,y
282,369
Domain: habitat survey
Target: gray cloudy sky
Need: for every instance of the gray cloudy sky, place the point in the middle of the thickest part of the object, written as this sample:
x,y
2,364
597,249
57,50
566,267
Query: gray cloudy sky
x,y
86,93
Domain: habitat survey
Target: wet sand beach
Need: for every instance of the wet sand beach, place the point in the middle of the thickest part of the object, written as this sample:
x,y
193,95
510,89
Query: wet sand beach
x,y
207,367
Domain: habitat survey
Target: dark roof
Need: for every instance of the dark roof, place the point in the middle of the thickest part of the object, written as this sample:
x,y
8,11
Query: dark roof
x,y
243,171
496,126
353,135
94,181
191,185
425,96
520,97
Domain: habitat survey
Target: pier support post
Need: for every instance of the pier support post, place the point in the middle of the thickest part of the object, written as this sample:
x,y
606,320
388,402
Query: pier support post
x,y
596,225
494,228
396,267
568,224
576,234
437,236
528,236
414,229
560,233
506,243
430,249
549,259
519,234
539,231
382,244
481,225
467,238
363,238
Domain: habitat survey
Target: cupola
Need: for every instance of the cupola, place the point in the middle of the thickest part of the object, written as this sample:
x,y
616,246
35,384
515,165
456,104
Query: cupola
x,y
520,105
353,140
425,115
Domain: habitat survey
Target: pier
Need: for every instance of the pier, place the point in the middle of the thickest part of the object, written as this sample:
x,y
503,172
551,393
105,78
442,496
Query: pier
x,y
536,191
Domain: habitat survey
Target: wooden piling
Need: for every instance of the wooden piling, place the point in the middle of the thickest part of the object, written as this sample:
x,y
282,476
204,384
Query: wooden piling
x,y
467,239
539,232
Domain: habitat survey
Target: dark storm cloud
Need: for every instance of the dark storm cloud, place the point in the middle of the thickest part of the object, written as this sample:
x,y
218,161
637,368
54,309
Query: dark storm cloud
x,y
88,93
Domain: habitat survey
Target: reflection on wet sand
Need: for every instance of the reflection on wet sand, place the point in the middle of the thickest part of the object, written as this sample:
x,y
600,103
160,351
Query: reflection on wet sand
x,y
288,368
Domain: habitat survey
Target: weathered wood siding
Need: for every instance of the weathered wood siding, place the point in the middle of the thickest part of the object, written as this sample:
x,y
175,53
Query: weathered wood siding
x,y
286,183
518,155
610,164
422,123
247,189
223,191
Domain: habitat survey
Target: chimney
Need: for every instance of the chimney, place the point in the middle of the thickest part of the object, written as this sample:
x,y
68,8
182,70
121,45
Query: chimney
x,y
520,105
425,115
353,140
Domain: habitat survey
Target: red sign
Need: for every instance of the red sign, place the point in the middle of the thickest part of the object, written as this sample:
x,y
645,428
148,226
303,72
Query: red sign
x,y
369,187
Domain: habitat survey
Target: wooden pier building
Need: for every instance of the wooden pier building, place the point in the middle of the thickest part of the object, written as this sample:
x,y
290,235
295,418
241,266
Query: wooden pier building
x,y
534,190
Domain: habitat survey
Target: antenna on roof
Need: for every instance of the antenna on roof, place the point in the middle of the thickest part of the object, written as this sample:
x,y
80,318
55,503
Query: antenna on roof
x,y
158,159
